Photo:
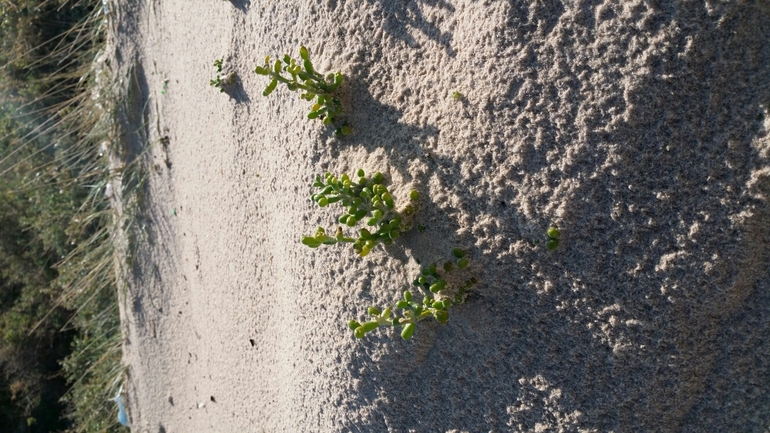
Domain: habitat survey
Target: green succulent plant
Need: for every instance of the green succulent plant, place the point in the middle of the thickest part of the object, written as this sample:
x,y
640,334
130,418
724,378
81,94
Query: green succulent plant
x,y
553,238
365,199
407,312
316,87
222,81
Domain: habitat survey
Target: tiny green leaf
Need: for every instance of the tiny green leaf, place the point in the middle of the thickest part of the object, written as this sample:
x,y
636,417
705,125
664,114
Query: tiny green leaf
x,y
308,65
437,286
407,332
553,233
311,242
441,316
369,326
270,87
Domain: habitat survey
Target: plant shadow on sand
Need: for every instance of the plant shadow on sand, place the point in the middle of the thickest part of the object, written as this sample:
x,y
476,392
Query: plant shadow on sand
x,y
242,5
400,17
237,92
515,356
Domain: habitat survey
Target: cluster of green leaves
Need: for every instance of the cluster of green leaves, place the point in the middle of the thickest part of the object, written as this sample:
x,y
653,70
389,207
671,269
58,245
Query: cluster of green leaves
x,y
222,81
301,75
433,280
365,199
553,238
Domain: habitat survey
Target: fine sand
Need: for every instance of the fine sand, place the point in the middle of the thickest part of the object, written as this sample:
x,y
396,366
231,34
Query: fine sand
x,y
640,130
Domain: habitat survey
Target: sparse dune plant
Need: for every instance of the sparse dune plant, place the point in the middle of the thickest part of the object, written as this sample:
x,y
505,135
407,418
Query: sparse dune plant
x,y
439,297
316,87
223,79
365,199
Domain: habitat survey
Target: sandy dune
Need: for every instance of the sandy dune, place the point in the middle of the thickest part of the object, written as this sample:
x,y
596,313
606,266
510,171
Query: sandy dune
x,y
641,131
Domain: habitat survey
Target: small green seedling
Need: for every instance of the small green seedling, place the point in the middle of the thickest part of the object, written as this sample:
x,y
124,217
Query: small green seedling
x,y
432,279
457,96
367,199
553,238
301,75
222,81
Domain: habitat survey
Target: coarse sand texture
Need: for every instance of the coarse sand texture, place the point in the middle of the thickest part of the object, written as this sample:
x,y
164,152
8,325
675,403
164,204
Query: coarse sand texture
x,y
638,128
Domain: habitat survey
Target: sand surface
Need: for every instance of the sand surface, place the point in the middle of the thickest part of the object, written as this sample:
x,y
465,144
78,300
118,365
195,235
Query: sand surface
x,y
639,128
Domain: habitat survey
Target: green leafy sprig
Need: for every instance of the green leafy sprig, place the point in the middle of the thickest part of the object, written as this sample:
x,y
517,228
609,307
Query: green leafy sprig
x,y
411,311
301,75
222,81
366,199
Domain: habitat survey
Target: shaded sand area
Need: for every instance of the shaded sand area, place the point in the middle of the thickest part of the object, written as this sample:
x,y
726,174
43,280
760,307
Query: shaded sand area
x,y
640,130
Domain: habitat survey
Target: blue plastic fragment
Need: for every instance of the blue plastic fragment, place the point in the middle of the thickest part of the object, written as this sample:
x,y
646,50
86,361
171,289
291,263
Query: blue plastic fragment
x,y
122,414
